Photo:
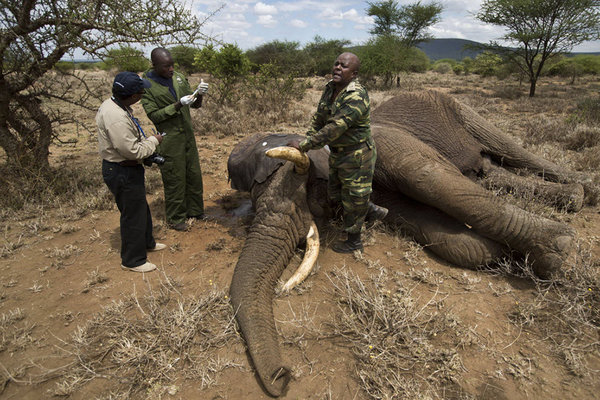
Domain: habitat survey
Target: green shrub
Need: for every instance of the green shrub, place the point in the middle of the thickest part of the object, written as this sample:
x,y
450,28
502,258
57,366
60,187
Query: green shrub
x,y
467,64
387,57
486,64
458,69
285,55
452,62
86,65
65,66
442,68
590,64
322,53
126,59
228,65
270,90
574,67
183,57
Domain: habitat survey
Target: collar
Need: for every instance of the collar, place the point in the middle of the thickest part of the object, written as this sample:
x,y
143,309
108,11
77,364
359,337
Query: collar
x,y
159,79
123,106
352,86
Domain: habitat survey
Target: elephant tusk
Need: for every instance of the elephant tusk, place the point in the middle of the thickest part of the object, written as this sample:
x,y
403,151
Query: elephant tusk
x,y
300,159
310,258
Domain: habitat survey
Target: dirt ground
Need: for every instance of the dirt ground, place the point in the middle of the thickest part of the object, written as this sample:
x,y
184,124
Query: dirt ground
x,y
61,287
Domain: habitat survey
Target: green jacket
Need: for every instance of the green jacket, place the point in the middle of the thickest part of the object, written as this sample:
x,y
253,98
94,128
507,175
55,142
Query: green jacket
x,y
345,121
159,104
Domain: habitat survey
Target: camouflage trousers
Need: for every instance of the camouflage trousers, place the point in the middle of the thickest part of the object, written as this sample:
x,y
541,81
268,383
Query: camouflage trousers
x,y
350,184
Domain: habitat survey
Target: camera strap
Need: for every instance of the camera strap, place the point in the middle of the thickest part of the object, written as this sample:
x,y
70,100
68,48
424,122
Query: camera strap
x,y
134,119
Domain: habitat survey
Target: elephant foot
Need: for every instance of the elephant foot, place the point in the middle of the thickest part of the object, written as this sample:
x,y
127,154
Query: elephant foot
x,y
548,259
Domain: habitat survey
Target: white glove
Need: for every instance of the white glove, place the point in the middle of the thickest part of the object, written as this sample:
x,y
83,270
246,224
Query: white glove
x,y
187,100
202,87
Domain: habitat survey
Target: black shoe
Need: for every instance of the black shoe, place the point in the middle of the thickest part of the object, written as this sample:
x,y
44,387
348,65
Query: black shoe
x,y
181,227
352,244
375,213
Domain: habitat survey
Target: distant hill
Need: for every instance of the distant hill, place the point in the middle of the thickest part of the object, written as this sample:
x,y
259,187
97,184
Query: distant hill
x,y
458,49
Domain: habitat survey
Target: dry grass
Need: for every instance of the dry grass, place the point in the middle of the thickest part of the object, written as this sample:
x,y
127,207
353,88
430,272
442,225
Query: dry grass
x,y
566,313
396,337
405,341
144,343
74,187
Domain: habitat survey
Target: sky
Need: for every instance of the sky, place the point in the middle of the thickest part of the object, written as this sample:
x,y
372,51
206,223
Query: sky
x,y
250,23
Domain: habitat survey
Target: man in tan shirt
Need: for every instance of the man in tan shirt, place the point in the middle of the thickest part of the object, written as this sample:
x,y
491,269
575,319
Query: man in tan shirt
x,y
123,146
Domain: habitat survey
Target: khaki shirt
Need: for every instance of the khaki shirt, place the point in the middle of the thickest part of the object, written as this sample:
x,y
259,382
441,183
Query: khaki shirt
x,y
118,137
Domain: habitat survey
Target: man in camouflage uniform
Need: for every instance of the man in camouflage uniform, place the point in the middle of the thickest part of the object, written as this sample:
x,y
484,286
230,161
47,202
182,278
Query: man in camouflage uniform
x,y
342,122
167,103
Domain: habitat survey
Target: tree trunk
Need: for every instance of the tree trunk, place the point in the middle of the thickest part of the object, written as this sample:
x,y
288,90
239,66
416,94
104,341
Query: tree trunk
x,y
532,84
25,134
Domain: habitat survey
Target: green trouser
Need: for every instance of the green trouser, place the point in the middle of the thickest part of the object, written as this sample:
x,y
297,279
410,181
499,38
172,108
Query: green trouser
x,y
181,176
350,184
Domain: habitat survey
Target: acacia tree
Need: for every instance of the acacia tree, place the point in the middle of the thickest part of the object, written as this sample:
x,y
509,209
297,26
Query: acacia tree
x,y
387,17
541,29
386,57
284,54
229,65
36,34
415,19
321,53
408,22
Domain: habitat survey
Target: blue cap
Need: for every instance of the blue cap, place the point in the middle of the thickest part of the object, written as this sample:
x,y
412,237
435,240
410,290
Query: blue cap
x,y
128,83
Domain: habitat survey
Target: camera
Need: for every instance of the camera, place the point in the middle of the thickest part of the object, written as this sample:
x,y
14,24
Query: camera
x,y
154,158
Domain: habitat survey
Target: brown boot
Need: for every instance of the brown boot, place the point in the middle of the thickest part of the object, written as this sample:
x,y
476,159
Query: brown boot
x,y
351,244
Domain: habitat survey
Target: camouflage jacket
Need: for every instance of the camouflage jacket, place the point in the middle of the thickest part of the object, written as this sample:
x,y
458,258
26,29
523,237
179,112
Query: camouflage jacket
x,y
343,121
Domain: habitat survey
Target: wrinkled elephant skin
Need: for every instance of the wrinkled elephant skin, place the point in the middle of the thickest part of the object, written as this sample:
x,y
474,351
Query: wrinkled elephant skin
x,y
431,151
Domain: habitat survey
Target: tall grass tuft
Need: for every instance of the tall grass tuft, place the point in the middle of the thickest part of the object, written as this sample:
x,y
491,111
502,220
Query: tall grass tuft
x,y
63,186
266,101
145,343
398,339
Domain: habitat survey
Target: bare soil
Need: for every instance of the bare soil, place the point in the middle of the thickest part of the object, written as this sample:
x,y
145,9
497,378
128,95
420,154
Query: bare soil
x,y
59,273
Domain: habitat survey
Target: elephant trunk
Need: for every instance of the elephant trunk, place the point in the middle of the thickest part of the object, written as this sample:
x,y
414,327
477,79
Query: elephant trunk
x,y
281,221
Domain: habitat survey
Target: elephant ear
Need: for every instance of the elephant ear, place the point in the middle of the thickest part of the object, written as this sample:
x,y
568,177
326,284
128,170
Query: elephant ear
x,y
248,163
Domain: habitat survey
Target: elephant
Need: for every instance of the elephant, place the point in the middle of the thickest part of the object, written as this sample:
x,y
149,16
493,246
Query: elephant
x,y
433,154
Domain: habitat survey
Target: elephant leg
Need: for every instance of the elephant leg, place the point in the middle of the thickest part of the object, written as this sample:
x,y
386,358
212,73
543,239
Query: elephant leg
x,y
439,233
506,151
567,196
410,166
282,220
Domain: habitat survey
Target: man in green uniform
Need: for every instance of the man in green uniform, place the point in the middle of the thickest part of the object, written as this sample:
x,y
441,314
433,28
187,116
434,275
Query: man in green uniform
x,y
342,122
167,103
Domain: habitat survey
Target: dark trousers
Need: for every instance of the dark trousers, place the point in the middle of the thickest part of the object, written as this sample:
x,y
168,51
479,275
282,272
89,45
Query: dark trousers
x,y
127,185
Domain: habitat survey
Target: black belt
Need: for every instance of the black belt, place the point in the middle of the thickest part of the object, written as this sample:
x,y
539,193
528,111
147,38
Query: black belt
x,y
129,163
346,149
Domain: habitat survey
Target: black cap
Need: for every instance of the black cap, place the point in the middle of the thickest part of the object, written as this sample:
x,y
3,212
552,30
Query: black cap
x,y
128,83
